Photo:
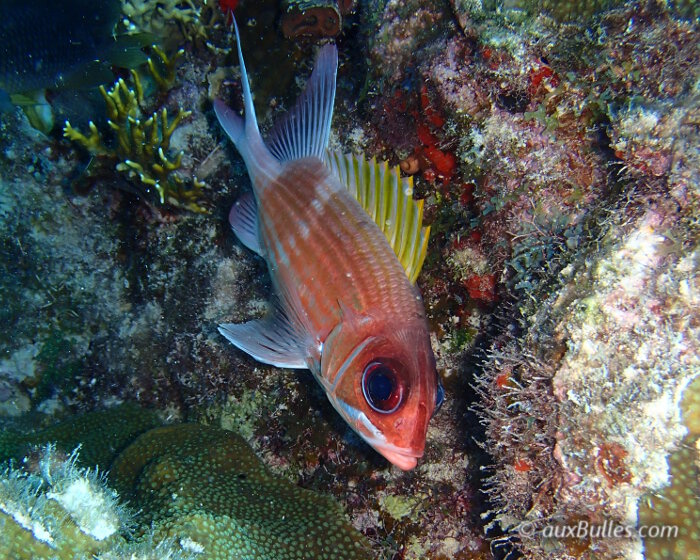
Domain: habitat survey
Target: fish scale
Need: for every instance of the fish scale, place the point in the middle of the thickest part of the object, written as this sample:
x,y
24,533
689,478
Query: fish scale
x,y
368,263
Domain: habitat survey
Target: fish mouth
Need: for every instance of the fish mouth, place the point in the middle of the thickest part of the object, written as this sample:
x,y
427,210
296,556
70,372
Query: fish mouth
x,y
405,458
402,459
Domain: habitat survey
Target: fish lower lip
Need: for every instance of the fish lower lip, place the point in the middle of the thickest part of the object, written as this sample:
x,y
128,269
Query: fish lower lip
x,y
403,461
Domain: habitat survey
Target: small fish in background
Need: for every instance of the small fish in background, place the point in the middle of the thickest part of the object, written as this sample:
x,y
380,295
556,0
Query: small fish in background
x,y
343,242
5,102
52,45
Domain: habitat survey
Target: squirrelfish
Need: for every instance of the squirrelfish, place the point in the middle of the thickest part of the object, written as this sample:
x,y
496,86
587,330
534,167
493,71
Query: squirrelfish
x,y
343,241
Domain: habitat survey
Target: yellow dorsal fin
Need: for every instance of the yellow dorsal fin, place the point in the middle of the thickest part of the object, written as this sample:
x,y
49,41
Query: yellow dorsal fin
x,y
388,199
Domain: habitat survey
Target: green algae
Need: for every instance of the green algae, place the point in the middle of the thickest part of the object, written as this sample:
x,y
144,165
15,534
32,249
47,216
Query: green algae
x,y
563,12
399,507
57,366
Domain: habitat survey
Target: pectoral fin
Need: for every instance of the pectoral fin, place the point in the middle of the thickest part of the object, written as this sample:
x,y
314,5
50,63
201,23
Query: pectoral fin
x,y
271,340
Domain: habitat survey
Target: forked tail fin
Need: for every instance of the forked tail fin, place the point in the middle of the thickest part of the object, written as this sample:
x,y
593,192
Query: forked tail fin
x,y
304,130
244,132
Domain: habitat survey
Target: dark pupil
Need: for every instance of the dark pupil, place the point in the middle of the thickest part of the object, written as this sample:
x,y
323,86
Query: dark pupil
x,y
381,384
381,387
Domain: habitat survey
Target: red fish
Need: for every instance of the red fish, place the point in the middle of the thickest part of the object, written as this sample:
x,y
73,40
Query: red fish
x,y
343,242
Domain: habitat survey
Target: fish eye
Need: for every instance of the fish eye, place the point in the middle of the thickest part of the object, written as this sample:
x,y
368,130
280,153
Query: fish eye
x,y
439,397
382,388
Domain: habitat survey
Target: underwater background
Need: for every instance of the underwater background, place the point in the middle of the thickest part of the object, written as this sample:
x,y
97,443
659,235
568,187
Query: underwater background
x,y
557,148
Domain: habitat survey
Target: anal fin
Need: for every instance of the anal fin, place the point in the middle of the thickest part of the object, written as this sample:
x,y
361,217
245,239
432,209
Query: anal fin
x,y
271,340
243,218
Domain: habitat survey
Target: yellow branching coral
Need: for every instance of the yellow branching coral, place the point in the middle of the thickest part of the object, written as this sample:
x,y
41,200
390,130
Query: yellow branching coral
x,y
164,80
141,145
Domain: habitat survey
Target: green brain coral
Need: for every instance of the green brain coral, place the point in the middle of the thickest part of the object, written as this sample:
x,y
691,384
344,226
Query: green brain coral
x,y
198,491
205,484
679,504
100,435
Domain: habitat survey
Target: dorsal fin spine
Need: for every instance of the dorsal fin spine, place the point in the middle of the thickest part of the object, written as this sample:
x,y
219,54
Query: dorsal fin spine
x,y
385,185
374,190
365,182
394,215
371,188
305,129
405,218
419,256
387,199
413,231
393,188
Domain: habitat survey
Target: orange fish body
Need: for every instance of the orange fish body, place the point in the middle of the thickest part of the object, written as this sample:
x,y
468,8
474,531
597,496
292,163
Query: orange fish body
x,y
346,308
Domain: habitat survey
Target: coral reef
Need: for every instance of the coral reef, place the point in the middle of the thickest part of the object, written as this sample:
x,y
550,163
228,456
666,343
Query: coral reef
x,y
587,409
85,301
558,160
172,21
589,395
56,510
596,266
